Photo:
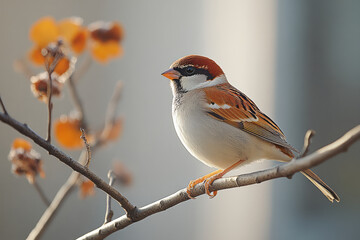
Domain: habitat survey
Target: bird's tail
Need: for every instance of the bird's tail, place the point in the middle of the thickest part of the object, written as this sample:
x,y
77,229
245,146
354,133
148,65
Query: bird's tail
x,y
325,189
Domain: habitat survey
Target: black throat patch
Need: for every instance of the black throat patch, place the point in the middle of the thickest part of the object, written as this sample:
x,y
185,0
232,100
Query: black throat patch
x,y
178,86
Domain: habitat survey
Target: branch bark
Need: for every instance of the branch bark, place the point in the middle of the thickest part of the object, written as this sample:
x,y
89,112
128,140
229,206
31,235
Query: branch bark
x,y
287,169
77,102
109,213
59,199
26,131
71,182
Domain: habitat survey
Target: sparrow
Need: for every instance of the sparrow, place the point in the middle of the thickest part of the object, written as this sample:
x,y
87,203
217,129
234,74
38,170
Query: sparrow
x,y
221,126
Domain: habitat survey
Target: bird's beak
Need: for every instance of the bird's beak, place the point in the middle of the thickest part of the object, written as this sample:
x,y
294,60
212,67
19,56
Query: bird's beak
x,y
171,74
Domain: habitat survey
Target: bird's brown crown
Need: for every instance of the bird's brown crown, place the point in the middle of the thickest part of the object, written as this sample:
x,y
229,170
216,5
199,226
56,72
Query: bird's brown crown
x,y
199,62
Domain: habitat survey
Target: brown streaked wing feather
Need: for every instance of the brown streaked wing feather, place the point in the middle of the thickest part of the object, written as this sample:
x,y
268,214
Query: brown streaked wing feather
x,y
266,129
245,115
236,111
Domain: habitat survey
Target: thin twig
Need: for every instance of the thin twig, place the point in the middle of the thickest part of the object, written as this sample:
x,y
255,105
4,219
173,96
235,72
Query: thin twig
x,y
61,195
41,193
50,69
59,198
88,149
50,106
3,107
110,116
307,140
63,157
314,159
113,104
109,213
77,102
82,69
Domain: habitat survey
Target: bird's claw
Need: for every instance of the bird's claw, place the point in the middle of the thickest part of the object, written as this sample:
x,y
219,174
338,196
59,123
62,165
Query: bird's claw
x,y
191,185
207,185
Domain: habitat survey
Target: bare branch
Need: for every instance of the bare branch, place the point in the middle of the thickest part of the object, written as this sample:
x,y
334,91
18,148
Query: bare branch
x,y
3,107
41,193
110,116
69,185
314,159
307,140
82,69
109,213
113,104
88,149
77,102
50,106
26,131
59,198
50,67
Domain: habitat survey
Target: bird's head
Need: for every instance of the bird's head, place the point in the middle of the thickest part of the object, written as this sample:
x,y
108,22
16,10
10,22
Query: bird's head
x,y
194,72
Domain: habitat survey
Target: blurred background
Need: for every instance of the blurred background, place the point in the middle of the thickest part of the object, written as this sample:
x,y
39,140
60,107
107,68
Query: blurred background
x,y
298,60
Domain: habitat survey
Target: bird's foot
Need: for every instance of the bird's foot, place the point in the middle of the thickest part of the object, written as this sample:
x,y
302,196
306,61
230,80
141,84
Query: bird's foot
x,y
208,183
205,178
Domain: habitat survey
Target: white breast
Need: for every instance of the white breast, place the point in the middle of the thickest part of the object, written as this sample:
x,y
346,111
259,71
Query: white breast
x,y
216,143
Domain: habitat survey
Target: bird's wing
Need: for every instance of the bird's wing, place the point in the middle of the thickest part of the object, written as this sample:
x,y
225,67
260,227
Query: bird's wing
x,y
227,104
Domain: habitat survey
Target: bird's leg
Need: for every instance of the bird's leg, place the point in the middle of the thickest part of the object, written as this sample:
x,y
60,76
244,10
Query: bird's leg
x,y
210,178
218,175
200,180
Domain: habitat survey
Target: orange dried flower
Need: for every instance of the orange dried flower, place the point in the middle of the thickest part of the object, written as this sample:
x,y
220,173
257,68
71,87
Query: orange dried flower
x,y
106,31
25,160
47,31
21,143
36,56
44,31
106,38
67,132
104,45
62,66
73,33
39,85
78,42
87,188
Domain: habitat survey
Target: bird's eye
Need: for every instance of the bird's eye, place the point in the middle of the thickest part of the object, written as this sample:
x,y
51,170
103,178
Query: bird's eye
x,y
190,70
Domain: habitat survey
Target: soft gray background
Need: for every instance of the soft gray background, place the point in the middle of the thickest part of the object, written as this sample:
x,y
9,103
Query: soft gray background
x,y
298,60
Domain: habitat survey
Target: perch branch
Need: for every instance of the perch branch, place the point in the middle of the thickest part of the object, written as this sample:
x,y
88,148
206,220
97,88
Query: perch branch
x,y
314,159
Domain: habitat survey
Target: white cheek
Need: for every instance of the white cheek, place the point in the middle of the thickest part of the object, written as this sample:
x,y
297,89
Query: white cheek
x,y
192,82
200,81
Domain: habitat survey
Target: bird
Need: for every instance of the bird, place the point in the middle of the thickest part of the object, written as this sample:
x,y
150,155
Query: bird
x,y
222,127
